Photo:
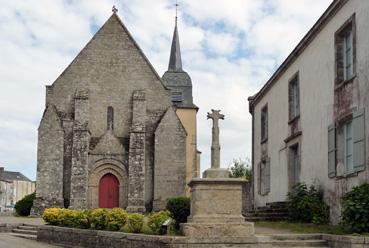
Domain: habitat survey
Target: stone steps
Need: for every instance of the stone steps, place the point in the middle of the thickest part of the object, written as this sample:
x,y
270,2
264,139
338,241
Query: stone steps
x,y
273,211
25,231
300,243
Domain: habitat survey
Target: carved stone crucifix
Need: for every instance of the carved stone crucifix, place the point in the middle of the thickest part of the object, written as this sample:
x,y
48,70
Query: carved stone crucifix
x,y
215,115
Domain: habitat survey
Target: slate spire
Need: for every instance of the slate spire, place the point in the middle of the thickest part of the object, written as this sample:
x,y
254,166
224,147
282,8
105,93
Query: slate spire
x,y
175,60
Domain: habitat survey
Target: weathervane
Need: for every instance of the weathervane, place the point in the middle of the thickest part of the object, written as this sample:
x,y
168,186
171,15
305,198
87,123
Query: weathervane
x,y
115,10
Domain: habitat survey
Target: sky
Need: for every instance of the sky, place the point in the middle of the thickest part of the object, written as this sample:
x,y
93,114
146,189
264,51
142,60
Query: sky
x,y
230,48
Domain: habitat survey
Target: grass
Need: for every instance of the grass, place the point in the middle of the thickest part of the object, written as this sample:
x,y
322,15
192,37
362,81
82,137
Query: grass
x,y
303,227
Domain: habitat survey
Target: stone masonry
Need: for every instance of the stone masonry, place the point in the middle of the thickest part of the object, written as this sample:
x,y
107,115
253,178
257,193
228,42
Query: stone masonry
x,y
109,114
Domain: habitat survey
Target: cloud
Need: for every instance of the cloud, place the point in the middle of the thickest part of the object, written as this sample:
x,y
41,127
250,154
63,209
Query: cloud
x,y
229,48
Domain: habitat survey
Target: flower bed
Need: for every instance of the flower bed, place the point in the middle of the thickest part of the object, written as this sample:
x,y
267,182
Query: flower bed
x,y
116,219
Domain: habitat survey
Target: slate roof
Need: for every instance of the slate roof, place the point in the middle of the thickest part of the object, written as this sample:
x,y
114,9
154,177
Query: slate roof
x,y
13,175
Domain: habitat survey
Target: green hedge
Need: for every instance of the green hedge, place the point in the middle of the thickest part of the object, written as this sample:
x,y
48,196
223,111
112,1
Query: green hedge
x,y
103,219
306,204
355,209
180,208
23,206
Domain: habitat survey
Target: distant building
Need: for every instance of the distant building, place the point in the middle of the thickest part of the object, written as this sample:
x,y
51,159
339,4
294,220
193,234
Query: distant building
x,y
310,119
13,187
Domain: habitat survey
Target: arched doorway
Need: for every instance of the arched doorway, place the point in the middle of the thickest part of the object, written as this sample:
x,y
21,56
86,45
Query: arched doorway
x,y
108,191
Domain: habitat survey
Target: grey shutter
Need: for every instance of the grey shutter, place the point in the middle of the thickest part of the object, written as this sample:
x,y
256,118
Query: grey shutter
x,y
267,176
331,151
259,178
358,136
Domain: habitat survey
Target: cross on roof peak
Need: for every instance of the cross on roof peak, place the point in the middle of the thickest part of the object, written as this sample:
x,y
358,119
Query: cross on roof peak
x,y
114,9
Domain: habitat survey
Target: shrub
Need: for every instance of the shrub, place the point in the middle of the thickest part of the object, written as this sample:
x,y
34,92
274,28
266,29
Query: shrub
x,y
307,205
355,209
51,216
135,222
23,206
179,207
99,219
116,219
157,219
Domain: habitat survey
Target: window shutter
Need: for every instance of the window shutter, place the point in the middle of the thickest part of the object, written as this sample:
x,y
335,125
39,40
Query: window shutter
x,y
267,176
331,151
359,140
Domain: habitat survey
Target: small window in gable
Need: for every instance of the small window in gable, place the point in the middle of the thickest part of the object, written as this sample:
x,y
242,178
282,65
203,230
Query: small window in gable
x,y
110,118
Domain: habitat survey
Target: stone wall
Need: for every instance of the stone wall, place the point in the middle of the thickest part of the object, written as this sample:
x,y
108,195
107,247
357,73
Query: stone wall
x,y
247,203
170,160
70,237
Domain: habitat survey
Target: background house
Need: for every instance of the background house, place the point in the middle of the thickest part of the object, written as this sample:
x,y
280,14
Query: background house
x,y
13,187
309,119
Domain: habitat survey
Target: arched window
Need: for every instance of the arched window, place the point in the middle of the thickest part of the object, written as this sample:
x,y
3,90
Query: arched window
x,y
110,118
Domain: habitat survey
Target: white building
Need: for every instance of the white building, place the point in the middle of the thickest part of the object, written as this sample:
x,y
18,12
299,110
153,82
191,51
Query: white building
x,y
310,118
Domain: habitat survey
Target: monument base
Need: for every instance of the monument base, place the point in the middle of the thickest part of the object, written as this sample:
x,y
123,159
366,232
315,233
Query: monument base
x,y
218,230
216,207
216,173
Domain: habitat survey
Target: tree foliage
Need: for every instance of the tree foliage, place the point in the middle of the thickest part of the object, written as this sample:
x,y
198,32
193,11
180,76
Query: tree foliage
x,y
240,168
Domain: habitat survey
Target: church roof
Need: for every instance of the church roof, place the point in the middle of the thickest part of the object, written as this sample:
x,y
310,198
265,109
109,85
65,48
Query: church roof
x,y
175,60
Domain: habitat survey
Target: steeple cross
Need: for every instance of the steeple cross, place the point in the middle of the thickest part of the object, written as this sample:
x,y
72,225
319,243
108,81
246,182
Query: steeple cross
x,y
115,10
176,5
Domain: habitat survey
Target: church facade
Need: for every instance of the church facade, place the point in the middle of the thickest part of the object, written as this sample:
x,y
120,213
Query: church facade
x,y
113,133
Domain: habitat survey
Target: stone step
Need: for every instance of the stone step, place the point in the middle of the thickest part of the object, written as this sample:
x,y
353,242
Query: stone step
x,y
277,204
24,231
25,227
297,237
269,209
267,214
300,243
25,236
258,218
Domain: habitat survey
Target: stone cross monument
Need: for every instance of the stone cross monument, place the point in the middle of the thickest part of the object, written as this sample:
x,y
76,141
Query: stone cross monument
x,y
215,171
216,200
215,146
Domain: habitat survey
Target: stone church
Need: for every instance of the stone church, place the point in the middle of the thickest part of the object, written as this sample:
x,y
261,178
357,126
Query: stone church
x,y
113,133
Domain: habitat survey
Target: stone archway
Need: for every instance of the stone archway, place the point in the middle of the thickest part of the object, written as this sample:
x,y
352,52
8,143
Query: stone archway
x,y
99,170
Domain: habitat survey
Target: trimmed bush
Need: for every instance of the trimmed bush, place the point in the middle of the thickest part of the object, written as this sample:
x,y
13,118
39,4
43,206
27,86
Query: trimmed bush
x,y
99,219
355,209
51,216
157,219
306,205
23,206
135,222
116,219
180,208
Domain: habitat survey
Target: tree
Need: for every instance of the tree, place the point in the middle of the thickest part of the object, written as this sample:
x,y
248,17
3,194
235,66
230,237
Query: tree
x,y
240,168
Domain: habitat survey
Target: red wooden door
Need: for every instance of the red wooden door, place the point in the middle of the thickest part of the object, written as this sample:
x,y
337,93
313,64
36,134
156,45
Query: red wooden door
x,y
109,191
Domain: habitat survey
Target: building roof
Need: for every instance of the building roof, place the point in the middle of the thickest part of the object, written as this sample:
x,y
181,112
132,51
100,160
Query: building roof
x,y
335,6
13,176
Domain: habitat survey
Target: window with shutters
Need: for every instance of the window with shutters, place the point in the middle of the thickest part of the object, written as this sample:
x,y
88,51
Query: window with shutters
x,y
345,39
348,147
264,124
294,165
294,97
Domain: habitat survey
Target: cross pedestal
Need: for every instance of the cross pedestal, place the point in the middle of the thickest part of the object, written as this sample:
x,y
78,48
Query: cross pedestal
x,y
216,199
